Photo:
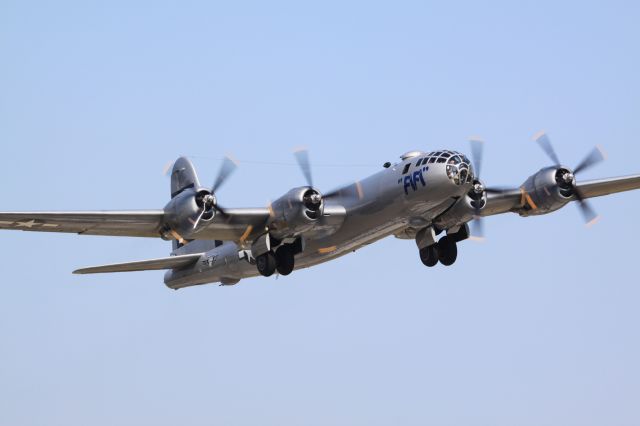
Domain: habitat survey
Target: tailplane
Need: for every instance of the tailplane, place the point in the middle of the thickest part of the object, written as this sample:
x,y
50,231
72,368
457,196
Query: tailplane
x,y
173,262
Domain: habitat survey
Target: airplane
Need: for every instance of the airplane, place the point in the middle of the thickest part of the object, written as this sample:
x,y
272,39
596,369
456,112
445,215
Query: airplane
x,y
430,198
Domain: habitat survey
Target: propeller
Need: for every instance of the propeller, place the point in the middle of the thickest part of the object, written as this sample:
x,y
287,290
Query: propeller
x,y
206,198
566,178
478,189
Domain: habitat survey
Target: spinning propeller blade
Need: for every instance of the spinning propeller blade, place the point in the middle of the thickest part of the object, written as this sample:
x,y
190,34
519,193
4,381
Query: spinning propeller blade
x,y
477,154
596,156
302,157
229,165
545,143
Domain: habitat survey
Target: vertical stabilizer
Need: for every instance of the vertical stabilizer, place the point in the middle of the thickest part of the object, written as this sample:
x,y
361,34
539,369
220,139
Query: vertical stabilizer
x,y
183,176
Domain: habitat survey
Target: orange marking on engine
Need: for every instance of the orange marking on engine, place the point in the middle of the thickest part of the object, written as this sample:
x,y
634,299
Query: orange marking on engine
x,y
327,250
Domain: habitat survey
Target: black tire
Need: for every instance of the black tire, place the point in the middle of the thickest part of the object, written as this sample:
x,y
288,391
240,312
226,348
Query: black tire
x,y
285,260
430,255
266,264
448,251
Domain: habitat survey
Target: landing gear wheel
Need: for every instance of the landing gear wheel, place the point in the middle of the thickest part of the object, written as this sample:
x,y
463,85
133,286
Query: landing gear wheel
x,y
285,260
266,264
448,251
430,255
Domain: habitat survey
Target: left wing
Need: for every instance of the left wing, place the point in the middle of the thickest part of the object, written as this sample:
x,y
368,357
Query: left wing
x,y
139,223
515,199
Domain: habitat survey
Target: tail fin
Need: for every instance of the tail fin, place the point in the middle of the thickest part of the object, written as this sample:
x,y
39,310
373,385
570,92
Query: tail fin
x,y
183,176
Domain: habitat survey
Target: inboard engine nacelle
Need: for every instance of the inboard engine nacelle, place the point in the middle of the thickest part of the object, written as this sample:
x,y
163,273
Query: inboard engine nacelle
x,y
295,212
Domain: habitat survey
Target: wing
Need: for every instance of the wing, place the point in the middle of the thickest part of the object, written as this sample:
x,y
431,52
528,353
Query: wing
x,y
237,225
141,223
600,187
515,199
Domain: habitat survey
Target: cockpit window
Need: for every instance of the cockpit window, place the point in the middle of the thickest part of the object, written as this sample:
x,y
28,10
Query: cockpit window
x,y
406,168
432,160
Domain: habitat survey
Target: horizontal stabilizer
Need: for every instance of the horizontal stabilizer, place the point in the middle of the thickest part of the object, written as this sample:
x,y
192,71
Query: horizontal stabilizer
x,y
145,265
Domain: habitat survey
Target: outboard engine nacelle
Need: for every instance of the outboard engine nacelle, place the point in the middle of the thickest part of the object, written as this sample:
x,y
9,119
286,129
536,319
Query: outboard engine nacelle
x,y
296,212
547,191
183,210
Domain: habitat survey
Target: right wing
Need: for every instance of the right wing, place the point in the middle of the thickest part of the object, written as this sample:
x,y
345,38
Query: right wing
x,y
141,223
238,225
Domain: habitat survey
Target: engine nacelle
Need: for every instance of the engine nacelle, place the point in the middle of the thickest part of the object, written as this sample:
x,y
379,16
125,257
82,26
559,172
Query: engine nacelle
x,y
547,191
462,212
296,212
183,210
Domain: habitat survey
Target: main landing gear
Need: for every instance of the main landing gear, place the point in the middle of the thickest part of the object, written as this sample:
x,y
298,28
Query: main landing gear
x,y
282,261
444,251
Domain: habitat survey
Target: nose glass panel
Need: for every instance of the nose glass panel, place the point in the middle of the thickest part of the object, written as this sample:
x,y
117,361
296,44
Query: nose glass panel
x,y
459,167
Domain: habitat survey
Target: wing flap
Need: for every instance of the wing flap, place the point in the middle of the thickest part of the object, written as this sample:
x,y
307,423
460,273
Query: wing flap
x,y
173,262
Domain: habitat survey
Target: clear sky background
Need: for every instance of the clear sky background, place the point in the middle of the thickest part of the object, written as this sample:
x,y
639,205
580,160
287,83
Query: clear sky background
x,y
536,326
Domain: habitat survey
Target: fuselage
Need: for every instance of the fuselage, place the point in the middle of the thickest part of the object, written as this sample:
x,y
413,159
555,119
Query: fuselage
x,y
409,194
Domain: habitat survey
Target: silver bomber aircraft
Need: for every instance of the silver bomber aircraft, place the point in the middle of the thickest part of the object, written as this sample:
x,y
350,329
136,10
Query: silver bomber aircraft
x,y
427,197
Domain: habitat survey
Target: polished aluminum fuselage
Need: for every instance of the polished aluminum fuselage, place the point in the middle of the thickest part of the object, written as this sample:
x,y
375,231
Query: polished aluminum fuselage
x,y
367,211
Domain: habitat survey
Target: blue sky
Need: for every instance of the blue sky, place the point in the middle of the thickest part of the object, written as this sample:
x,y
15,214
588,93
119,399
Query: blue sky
x,y
538,325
